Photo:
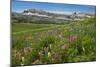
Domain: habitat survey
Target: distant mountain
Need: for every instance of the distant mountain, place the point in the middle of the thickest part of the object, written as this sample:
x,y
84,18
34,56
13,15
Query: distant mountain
x,y
41,16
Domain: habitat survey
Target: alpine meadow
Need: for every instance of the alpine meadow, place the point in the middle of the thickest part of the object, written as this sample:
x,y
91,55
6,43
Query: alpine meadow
x,y
51,33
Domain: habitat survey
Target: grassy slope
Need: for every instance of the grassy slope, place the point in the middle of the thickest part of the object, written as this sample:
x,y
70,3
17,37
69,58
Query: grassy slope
x,y
72,42
16,27
34,28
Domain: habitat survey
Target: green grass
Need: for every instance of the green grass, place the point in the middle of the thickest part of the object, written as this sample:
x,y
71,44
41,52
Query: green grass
x,y
16,27
52,43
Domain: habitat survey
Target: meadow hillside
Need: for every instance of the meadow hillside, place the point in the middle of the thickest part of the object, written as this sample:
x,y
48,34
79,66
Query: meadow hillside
x,y
54,43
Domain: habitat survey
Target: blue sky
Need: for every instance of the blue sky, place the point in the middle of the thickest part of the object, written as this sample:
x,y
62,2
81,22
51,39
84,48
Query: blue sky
x,y
18,6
